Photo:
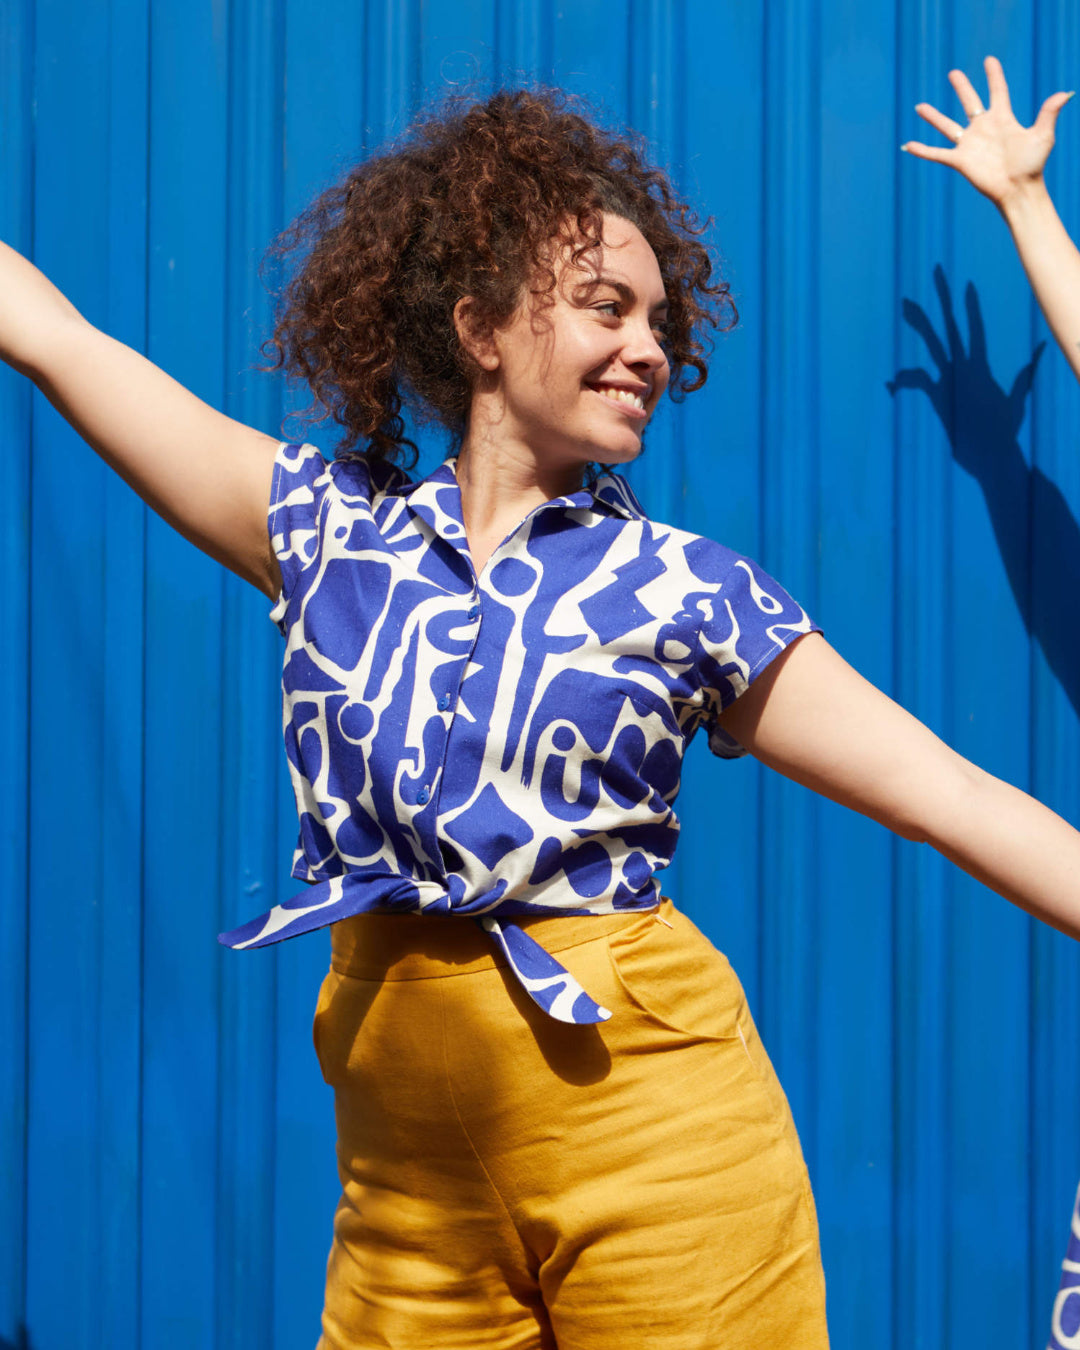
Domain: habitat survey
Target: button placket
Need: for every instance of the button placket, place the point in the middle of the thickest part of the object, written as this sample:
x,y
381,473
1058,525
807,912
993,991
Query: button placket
x,y
446,698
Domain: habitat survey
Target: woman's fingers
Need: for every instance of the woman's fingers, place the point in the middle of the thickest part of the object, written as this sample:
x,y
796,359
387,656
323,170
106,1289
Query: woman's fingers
x,y
939,121
937,153
971,103
996,82
993,152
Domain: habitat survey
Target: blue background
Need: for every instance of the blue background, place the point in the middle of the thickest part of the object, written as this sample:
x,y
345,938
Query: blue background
x,y
166,1166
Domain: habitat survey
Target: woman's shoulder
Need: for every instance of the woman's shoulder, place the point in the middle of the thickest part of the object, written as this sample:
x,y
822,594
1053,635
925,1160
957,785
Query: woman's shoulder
x,y
316,502
301,464
706,559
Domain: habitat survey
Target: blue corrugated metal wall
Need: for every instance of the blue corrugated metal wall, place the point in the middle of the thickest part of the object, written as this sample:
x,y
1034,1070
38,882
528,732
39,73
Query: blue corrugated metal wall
x,y
166,1165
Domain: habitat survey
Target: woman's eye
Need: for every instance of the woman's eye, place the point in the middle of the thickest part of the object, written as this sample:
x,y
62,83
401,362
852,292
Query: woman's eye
x,y
610,307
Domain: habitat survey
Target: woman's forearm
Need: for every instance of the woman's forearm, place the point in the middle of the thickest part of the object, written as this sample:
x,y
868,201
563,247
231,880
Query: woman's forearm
x,y
32,312
1013,844
814,719
1051,261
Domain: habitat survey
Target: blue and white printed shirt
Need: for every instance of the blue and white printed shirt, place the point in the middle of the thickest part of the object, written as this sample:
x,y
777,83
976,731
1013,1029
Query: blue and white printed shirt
x,y
500,745
1065,1318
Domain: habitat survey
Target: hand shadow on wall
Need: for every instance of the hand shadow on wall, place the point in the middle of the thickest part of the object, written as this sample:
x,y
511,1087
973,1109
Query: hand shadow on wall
x,y
1027,511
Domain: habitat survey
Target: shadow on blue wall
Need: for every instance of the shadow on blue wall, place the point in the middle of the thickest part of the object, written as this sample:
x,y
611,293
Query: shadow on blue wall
x,y
21,1342
1037,534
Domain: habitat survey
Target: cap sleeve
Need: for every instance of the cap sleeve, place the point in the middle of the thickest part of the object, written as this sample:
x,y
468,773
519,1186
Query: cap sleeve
x,y
752,620
298,499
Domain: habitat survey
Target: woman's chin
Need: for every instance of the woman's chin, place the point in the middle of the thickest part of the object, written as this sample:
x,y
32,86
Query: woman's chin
x,y
611,458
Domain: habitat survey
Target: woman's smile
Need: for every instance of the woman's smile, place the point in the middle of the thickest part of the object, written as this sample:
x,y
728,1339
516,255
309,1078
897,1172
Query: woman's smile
x,y
628,401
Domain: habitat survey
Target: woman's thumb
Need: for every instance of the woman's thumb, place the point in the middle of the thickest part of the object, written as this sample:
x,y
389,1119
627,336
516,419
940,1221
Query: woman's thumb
x,y
1048,113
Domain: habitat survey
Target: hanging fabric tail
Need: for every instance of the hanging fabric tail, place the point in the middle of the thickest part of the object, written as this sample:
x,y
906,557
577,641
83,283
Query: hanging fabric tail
x,y
1065,1323
547,982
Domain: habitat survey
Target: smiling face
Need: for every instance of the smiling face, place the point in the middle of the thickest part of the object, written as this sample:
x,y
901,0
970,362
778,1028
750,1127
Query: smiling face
x,y
574,377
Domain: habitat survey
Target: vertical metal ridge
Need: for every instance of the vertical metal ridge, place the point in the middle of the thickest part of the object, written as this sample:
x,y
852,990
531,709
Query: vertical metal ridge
x,y
718,170
922,884
183,996
249,739
850,335
1033,728
789,538
1032,731
987,645
762,352
138,1303
394,68
16,217
674,15
1054,1106
522,42
901,117
64,835
123,645
654,104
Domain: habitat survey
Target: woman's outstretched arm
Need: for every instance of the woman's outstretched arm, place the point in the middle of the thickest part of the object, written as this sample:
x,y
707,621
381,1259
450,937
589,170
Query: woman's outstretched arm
x,y
814,719
203,472
1005,161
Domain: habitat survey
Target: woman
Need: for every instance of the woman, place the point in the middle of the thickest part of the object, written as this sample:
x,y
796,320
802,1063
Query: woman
x,y
557,1125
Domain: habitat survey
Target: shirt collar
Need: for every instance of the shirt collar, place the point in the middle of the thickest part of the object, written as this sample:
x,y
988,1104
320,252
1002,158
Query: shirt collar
x,y
436,499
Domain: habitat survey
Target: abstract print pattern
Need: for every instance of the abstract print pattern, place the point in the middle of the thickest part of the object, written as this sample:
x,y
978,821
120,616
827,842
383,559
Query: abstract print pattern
x,y
1065,1321
503,745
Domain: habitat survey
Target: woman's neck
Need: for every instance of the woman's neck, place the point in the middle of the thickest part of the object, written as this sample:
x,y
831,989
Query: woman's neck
x,y
500,484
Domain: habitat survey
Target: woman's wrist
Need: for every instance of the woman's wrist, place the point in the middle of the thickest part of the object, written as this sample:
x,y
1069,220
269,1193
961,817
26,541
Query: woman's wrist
x,y
1028,199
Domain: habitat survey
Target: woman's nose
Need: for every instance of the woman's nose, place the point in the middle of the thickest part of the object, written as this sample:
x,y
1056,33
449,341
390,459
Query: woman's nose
x,y
643,348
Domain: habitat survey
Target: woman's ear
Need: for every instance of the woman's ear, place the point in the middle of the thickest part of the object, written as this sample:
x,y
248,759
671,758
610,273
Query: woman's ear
x,y
476,340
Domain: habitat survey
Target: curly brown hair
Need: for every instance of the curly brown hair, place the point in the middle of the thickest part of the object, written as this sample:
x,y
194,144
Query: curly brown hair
x,y
467,204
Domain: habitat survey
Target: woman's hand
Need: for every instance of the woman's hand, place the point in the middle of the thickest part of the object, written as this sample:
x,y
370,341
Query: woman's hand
x,y
993,152
1005,162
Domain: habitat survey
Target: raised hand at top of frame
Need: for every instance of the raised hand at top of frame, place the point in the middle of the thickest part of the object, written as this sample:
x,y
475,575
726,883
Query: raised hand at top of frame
x,y
993,152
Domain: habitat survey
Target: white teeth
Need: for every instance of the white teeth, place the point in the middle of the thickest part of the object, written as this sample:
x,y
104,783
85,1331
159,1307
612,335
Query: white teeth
x,y
624,396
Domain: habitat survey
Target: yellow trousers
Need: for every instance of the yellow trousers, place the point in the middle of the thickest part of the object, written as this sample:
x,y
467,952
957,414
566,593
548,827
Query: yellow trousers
x,y
516,1183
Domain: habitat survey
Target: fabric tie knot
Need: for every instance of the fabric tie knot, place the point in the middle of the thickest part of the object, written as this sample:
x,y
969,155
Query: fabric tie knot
x,y
547,982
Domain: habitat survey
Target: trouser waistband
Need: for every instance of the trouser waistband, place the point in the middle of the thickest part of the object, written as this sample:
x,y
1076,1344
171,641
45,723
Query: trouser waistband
x,y
424,947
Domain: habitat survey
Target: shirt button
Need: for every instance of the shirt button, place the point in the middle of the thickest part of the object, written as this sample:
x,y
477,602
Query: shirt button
x,y
444,702
474,613
423,797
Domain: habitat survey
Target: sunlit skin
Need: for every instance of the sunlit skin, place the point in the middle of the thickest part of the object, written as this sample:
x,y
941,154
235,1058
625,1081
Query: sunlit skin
x,y
540,412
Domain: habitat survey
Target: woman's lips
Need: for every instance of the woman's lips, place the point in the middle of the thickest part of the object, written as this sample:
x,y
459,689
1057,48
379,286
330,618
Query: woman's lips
x,y
625,400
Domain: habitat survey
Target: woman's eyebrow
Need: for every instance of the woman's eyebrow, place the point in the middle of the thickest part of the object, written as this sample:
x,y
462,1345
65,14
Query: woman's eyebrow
x,y
625,293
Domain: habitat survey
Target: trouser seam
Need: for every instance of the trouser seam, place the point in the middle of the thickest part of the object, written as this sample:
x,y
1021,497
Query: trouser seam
x,y
796,1152
465,1129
